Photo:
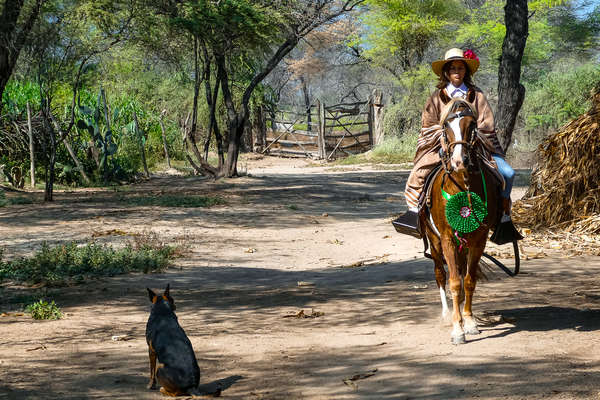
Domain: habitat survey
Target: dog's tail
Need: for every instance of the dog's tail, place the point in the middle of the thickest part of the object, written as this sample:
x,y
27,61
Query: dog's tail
x,y
213,390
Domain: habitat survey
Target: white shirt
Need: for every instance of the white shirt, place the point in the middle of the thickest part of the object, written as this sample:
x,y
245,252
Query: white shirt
x,y
454,91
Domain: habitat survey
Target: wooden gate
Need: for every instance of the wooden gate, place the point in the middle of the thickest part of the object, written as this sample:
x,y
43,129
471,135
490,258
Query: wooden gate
x,y
321,131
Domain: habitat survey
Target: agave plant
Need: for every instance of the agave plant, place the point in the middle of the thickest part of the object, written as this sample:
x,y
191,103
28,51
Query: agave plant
x,y
103,138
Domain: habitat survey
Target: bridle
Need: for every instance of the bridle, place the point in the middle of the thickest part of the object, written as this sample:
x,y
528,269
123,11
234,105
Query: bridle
x,y
448,147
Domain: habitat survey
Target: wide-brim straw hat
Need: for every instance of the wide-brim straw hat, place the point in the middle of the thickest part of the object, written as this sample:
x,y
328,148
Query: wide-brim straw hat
x,y
456,54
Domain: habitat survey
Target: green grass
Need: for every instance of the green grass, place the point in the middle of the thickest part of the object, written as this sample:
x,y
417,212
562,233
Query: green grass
x,y
69,262
174,201
393,150
44,310
4,201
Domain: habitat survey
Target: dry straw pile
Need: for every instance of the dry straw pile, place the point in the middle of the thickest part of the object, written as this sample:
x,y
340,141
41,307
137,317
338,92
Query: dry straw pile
x,y
564,193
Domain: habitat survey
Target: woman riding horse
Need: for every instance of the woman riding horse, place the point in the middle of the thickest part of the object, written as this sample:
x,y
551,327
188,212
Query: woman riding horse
x,y
458,132
463,203
455,73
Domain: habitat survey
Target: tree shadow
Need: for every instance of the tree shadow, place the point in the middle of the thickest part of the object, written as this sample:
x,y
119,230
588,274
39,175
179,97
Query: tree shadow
x,y
545,318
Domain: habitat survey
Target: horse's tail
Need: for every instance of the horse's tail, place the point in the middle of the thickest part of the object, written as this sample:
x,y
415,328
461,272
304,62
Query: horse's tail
x,y
483,271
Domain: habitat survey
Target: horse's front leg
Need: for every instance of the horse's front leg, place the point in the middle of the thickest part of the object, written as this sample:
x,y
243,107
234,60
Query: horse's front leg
x,y
440,274
470,325
450,252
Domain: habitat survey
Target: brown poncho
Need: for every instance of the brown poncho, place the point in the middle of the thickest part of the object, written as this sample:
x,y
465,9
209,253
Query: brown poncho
x,y
428,144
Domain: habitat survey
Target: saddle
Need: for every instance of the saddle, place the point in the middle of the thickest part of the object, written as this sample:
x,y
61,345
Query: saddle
x,y
425,197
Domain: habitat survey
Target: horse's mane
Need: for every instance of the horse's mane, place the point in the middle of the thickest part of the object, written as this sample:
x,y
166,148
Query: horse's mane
x,y
455,103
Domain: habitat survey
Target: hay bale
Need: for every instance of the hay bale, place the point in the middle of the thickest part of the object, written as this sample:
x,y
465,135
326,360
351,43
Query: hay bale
x,y
565,185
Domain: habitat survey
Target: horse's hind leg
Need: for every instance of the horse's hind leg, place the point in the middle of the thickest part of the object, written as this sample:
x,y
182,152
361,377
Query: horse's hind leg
x,y
470,325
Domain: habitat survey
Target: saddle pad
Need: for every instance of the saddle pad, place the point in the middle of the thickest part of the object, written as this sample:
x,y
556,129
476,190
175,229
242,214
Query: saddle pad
x,y
425,197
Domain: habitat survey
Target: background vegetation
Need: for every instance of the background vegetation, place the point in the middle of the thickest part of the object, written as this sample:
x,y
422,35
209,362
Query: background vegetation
x,y
191,72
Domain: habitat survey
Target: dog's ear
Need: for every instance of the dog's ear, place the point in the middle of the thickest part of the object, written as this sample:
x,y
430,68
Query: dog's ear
x,y
151,294
166,293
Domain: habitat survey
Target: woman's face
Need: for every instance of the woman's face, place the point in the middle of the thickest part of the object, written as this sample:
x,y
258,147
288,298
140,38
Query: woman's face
x,y
456,72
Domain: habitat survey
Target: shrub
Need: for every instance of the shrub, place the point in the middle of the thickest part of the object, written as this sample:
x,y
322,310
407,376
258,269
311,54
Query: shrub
x,y
56,265
44,310
560,96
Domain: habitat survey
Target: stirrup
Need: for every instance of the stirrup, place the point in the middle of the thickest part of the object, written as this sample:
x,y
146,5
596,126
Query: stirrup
x,y
408,224
505,232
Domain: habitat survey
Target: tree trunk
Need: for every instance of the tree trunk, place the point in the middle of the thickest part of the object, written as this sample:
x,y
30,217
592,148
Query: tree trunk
x,y
510,91
259,129
235,139
164,138
205,168
63,138
306,104
50,170
31,149
139,134
13,36
211,100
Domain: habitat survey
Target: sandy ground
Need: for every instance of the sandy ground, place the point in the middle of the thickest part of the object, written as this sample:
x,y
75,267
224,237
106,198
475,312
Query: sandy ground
x,y
293,237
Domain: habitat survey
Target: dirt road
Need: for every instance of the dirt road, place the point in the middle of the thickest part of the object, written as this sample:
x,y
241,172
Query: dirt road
x,y
293,237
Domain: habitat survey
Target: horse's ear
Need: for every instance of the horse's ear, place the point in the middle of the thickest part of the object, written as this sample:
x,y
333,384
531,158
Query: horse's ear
x,y
444,97
471,96
167,289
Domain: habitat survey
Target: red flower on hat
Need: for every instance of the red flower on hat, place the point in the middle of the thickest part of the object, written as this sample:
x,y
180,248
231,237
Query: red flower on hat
x,y
470,54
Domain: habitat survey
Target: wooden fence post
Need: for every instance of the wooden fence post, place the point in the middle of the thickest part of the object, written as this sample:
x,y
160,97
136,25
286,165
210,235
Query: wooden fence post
x,y
31,152
321,132
164,137
376,118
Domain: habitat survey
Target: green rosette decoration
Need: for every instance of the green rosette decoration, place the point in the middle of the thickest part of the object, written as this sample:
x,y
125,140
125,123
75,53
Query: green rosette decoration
x,y
461,216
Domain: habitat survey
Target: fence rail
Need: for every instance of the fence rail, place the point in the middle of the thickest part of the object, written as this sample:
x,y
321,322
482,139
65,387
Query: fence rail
x,y
321,131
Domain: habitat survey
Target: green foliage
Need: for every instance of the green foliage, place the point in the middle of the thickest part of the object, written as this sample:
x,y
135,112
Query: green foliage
x,y
393,150
4,201
16,95
550,22
56,265
44,310
560,95
400,31
404,117
174,201
102,134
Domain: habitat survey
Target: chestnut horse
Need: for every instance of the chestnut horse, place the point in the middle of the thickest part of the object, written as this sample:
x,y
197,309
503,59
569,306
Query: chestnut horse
x,y
463,152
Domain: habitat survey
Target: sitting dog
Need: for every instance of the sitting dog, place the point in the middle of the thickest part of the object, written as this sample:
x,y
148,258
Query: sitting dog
x,y
177,369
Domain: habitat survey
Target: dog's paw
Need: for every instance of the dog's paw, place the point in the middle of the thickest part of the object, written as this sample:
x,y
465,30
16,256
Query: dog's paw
x,y
151,385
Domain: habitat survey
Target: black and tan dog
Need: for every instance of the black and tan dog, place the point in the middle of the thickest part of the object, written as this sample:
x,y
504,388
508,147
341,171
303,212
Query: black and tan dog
x,y
172,360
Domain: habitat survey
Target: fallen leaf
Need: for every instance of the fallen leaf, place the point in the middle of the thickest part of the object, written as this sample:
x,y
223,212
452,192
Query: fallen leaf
x,y
351,381
42,347
250,250
301,314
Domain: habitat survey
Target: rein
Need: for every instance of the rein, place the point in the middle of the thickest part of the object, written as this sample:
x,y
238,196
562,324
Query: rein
x,y
462,217
445,152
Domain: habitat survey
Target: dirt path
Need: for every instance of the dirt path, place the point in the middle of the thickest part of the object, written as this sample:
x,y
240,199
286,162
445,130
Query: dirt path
x,y
289,223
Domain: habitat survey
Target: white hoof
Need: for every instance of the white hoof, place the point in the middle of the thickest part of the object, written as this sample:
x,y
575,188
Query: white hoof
x,y
459,339
471,330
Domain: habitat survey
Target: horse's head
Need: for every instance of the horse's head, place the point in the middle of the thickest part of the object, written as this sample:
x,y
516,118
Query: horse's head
x,y
459,122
